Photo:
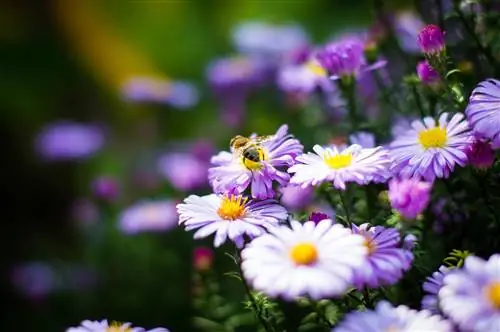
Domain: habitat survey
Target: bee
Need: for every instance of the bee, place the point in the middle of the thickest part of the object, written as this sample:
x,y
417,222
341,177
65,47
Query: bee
x,y
249,148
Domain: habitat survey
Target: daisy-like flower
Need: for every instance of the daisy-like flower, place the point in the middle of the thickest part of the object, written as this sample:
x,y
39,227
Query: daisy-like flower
x,y
104,326
148,216
386,260
431,287
407,25
385,317
340,166
314,260
409,197
233,173
471,296
431,149
483,111
229,216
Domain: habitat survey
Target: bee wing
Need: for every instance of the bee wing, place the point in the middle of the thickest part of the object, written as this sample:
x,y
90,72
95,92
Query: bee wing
x,y
263,139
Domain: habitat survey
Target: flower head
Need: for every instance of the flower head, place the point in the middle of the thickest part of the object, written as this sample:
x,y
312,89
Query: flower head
x,y
229,216
66,140
431,287
409,197
231,172
345,58
383,245
303,78
431,149
385,317
104,326
179,94
481,155
203,258
183,170
316,217
407,25
483,111
314,260
431,39
352,164
295,197
148,216
106,188
364,139
426,73
471,296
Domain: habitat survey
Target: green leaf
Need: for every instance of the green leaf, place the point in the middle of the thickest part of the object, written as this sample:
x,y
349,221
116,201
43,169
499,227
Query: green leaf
x,y
208,325
451,72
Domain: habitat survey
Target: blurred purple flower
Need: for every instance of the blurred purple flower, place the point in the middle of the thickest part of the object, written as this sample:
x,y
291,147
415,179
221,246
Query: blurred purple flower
x,y
203,258
409,197
232,79
178,94
431,287
431,39
148,216
66,140
481,155
407,25
426,73
401,125
184,171
364,139
446,214
34,279
295,197
105,188
303,78
316,217
84,211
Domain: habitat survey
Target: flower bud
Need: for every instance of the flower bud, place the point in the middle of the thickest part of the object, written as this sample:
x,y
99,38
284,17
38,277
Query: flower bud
x,y
431,40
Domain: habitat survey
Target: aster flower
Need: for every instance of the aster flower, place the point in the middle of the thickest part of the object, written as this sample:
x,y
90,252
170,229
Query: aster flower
x,y
386,260
352,164
431,287
483,111
431,149
316,217
179,94
184,171
431,40
303,78
426,73
314,260
364,139
409,197
471,296
148,216
295,197
407,25
345,58
481,155
401,126
66,140
229,216
104,326
232,173
385,317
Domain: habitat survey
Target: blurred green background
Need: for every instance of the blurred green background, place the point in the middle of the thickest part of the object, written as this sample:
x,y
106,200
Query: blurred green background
x,y
66,59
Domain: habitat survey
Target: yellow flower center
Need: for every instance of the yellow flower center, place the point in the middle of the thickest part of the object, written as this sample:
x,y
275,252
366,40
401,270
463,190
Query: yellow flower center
x,y
370,245
232,207
433,138
304,254
338,161
254,165
392,328
315,68
493,294
117,327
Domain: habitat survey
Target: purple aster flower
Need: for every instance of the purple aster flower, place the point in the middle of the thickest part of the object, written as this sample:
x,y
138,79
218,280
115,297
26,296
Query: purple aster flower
x,y
431,149
148,216
431,287
35,280
178,94
345,58
232,79
364,139
65,140
483,111
385,317
268,41
313,260
470,296
316,217
184,171
229,216
431,40
409,197
295,197
330,164
426,73
233,173
447,214
105,188
481,155
304,78
104,326
407,25
401,126
386,260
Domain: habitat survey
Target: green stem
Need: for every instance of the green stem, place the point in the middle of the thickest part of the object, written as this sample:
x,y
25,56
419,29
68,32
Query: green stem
x,y
366,299
370,202
255,307
346,209
348,88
